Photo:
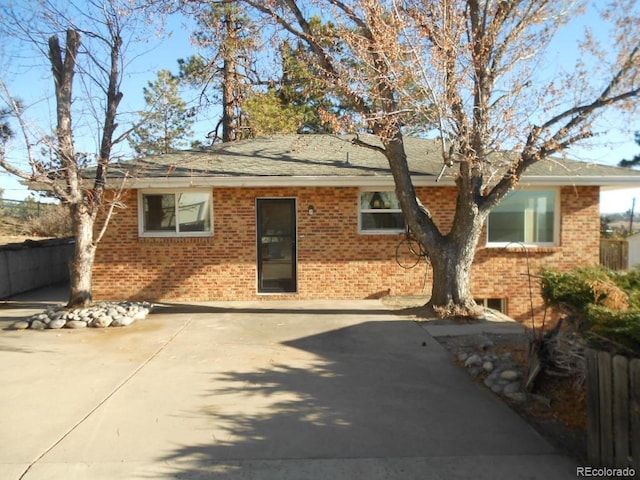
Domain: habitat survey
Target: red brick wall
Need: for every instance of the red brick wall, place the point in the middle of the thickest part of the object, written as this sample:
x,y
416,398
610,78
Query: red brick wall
x,y
334,260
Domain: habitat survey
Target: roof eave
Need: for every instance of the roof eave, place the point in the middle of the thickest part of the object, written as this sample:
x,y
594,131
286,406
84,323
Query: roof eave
x,y
584,181
363,181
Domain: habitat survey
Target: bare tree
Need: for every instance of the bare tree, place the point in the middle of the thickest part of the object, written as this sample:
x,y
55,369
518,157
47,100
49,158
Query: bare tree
x,y
91,55
474,71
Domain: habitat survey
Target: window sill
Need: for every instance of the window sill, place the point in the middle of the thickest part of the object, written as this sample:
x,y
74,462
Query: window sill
x,y
524,248
381,232
174,238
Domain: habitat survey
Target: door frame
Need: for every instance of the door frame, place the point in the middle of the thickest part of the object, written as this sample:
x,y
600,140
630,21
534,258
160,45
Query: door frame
x,y
294,218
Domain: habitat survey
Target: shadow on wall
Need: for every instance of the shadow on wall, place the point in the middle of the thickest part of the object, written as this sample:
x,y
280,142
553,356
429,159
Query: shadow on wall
x,y
364,392
263,308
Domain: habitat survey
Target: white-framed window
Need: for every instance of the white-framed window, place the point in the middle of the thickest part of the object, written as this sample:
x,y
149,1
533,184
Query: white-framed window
x,y
529,217
175,213
379,212
498,304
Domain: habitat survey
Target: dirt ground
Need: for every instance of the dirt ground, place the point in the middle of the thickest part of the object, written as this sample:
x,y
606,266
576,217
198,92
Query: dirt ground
x,y
556,406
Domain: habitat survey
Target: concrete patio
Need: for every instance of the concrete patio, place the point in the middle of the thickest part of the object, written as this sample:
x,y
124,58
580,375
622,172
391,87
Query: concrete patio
x,y
252,390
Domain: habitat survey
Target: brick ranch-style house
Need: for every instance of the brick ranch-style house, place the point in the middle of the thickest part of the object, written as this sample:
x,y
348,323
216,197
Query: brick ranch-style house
x,y
316,217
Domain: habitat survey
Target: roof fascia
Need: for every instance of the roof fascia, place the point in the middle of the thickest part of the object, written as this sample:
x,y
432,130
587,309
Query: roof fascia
x,y
362,181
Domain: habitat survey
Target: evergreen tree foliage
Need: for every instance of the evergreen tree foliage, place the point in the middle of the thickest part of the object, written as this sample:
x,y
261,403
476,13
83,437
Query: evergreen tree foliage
x,y
635,161
267,114
167,122
224,70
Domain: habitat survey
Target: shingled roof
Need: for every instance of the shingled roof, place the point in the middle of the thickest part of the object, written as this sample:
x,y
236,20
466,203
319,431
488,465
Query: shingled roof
x,y
332,160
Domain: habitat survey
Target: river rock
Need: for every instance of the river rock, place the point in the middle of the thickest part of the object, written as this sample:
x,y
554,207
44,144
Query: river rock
x,y
512,387
57,323
473,360
101,322
122,321
76,324
20,325
517,396
97,315
510,375
140,314
38,325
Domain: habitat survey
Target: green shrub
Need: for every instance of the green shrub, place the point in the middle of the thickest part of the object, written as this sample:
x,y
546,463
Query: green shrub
x,y
629,282
620,327
572,288
608,302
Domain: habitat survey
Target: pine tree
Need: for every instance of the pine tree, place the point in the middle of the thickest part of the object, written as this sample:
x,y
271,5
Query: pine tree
x,y
635,161
267,114
225,71
167,122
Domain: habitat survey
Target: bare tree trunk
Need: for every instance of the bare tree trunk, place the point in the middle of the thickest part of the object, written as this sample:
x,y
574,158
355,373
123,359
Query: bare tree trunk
x,y
81,267
230,88
451,262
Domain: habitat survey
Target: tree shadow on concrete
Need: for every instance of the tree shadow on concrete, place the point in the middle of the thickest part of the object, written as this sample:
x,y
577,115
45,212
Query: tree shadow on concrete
x,y
379,389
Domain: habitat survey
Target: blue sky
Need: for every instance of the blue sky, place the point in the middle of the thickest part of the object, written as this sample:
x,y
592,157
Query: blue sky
x,y
33,86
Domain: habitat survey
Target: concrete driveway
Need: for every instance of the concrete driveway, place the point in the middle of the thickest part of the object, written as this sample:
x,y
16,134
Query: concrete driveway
x,y
254,390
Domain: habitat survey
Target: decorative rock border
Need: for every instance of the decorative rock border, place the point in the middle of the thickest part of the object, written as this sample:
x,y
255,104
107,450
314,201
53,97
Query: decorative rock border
x,y
99,315
504,376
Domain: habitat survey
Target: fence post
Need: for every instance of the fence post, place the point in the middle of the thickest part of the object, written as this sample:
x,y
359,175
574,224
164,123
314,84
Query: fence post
x,y
593,410
634,411
605,384
621,410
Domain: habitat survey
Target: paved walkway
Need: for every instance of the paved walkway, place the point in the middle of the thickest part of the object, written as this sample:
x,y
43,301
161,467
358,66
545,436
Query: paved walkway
x,y
253,390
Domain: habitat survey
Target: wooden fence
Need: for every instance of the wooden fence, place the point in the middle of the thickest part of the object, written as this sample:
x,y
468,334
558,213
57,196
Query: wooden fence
x,y
614,254
613,410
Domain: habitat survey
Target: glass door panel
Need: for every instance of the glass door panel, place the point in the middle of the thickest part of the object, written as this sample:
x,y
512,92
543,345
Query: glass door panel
x,y
276,245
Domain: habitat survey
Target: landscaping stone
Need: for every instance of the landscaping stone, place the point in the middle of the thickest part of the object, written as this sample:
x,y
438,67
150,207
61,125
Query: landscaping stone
x,y
38,325
511,388
75,324
499,372
484,343
473,360
20,325
57,323
99,315
121,321
101,322
517,397
510,375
